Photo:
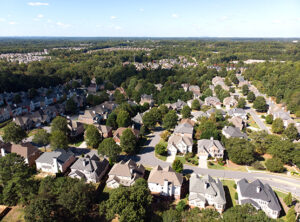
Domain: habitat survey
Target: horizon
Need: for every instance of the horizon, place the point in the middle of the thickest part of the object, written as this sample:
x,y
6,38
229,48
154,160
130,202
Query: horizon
x,y
167,19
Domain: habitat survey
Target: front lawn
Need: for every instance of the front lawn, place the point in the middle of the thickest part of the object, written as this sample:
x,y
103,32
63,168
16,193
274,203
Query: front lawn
x,y
229,192
164,158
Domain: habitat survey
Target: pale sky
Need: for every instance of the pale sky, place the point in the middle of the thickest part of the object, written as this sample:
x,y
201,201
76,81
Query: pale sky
x,y
155,18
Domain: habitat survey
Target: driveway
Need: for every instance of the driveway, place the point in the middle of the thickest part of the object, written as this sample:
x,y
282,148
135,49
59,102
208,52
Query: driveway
x,y
280,182
257,119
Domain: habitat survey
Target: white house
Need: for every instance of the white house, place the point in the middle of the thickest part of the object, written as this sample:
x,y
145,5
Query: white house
x,y
165,181
260,195
229,102
238,112
55,161
179,143
210,147
206,191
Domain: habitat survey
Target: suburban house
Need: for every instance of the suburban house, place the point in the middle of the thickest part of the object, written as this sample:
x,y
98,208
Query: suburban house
x,y
138,120
233,132
238,122
214,110
75,128
238,112
105,131
118,133
184,129
220,81
195,90
189,102
147,99
213,101
210,147
125,174
179,143
89,168
198,114
165,181
93,88
28,151
25,122
260,195
278,112
177,106
206,191
229,102
55,161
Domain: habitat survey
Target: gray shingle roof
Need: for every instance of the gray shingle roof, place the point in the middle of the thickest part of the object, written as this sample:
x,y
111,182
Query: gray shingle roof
x,y
234,132
258,190
184,128
61,155
207,144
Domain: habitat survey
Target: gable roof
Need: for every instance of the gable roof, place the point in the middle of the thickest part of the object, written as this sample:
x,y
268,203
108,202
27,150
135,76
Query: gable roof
x,y
258,190
159,175
176,139
185,127
126,169
206,144
234,132
138,118
61,155
118,133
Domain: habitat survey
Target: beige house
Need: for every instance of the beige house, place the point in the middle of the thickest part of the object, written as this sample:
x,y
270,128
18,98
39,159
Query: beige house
x,y
238,122
210,147
229,102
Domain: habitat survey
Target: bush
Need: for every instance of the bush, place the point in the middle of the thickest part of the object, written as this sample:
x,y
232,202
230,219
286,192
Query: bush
x,y
269,119
234,186
258,166
188,156
236,196
275,165
165,135
161,149
181,206
221,162
177,166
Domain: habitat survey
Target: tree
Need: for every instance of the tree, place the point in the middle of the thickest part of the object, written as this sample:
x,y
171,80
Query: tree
x,y
128,141
177,166
277,126
59,124
207,129
165,135
181,206
241,103
161,148
291,132
41,209
58,139
123,119
149,119
196,104
17,99
171,215
260,104
251,97
92,136
170,120
186,112
41,137
269,119
13,133
71,106
130,204
109,148
163,109
240,151
245,90
288,199
119,97
291,215
32,93
112,120
275,165
86,81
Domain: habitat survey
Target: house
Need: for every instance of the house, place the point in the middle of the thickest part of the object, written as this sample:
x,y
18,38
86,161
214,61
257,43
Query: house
x,y
105,131
179,143
165,182
185,86
188,121
229,102
278,112
89,117
214,111
238,112
195,90
238,122
177,106
212,101
25,122
233,132
75,128
198,114
125,174
138,120
93,88
118,133
55,161
219,81
206,191
89,168
26,150
260,195
210,147
147,99
184,129
189,102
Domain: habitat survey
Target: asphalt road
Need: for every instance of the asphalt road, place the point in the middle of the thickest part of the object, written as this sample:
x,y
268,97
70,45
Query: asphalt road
x,y
281,182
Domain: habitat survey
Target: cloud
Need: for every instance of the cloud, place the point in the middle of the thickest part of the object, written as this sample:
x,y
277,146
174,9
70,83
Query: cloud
x,y
175,15
63,25
141,10
40,16
2,19
223,18
37,3
113,17
12,23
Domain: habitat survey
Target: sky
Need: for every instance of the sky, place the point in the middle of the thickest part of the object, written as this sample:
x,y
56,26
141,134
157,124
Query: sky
x,y
150,18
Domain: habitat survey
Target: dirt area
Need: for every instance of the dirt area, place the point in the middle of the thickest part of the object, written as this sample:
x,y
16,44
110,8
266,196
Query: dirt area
x,y
42,175
16,214
267,156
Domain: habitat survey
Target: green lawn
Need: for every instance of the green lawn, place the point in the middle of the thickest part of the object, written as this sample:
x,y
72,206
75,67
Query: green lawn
x,y
229,191
215,166
280,194
164,158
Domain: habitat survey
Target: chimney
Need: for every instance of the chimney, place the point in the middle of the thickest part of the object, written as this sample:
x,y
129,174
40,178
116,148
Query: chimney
x,y
55,165
2,152
258,189
211,138
84,162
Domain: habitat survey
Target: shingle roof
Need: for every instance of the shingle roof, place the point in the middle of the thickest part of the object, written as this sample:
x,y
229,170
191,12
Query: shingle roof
x,y
126,169
206,144
184,128
159,175
258,190
234,132
61,155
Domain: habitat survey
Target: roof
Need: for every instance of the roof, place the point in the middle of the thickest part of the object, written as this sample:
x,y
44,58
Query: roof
x,y
176,139
24,149
206,144
118,133
238,111
207,185
198,114
138,118
159,175
229,101
233,132
258,190
189,121
126,169
185,127
104,129
61,155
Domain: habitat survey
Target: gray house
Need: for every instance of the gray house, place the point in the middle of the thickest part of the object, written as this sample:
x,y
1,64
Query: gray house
x,y
233,132
260,195
206,191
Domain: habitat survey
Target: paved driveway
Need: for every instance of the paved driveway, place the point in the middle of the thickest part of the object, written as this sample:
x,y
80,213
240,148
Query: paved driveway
x,y
257,119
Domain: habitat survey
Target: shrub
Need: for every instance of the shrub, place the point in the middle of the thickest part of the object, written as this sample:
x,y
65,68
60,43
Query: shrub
x,y
165,135
161,149
269,119
275,165
177,166
258,166
188,156
234,186
236,196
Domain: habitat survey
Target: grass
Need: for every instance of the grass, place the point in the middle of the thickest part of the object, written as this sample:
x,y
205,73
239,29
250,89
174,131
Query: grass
x,y
16,214
183,160
280,194
229,188
217,166
32,132
164,158
252,123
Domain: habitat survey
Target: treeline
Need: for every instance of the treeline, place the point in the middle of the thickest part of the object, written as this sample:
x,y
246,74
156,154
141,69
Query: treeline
x,y
281,80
